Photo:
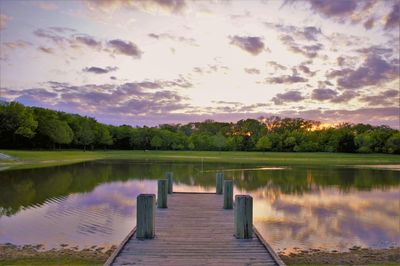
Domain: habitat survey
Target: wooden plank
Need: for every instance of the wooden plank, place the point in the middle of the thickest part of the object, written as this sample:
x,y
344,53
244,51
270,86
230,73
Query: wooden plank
x,y
111,259
268,247
194,230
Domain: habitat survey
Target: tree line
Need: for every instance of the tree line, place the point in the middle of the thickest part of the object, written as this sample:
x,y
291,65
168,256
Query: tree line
x,y
23,127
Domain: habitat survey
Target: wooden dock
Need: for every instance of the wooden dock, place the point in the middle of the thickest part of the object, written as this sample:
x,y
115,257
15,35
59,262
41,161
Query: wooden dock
x,y
194,230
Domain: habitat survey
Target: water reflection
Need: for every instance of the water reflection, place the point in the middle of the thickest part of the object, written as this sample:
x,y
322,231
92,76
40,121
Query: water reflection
x,y
328,219
94,203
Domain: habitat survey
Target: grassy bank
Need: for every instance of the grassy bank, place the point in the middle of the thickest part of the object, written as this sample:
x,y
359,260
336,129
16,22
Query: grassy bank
x,y
33,255
355,256
35,159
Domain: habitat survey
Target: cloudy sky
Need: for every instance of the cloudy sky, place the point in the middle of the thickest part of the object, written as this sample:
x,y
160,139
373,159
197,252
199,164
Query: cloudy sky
x,y
176,61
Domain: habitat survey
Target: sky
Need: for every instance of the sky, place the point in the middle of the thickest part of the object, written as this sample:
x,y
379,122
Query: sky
x,y
178,61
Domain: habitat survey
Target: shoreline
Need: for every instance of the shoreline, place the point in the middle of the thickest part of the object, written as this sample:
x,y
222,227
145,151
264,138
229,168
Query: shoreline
x,y
354,256
24,159
35,255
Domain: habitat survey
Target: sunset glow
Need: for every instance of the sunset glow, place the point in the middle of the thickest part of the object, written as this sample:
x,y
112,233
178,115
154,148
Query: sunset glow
x,y
179,61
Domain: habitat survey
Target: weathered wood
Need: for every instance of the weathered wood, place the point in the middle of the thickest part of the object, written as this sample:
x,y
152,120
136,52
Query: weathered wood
x,y
162,193
194,230
228,194
219,182
243,216
275,256
145,216
110,260
169,176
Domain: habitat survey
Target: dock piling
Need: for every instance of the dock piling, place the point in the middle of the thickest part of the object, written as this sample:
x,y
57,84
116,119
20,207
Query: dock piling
x,y
145,216
243,223
162,193
228,194
219,182
169,176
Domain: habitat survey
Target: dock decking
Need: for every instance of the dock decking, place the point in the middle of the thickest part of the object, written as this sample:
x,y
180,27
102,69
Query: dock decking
x,y
194,230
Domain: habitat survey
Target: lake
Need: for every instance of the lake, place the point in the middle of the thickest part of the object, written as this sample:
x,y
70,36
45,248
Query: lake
x,y
295,207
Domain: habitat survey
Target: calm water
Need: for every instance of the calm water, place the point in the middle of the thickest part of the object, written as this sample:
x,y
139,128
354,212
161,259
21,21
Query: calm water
x,y
306,207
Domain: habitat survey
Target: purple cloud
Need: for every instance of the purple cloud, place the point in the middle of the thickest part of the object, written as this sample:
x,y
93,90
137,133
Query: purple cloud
x,y
308,33
309,51
393,18
311,33
129,103
306,70
62,29
46,50
175,6
334,8
58,35
50,34
290,96
376,50
253,45
125,48
88,41
286,79
210,69
170,6
344,97
388,97
373,71
323,94
253,71
276,66
168,36
99,70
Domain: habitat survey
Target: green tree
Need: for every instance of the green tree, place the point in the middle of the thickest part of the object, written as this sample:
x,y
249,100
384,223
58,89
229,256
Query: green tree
x,y
235,143
156,142
219,141
17,119
364,142
57,131
264,144
191,146
290,143
345,140
103,135
393,143
85,133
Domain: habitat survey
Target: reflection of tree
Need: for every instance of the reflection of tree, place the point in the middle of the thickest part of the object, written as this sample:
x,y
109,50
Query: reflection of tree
x,y
19,194
23,188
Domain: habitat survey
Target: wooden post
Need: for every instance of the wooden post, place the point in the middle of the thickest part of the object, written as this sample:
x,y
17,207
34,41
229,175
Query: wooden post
x,y
219,182
228,194
162,193
243,216
145,216
169,176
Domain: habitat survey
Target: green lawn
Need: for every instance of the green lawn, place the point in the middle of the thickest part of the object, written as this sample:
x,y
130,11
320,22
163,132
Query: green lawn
x,y
34,159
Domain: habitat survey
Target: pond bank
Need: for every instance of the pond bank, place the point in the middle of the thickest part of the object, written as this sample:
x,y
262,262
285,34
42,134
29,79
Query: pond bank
x,y
35,255
36,159
355,256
